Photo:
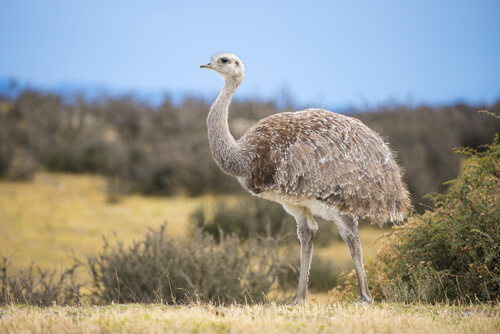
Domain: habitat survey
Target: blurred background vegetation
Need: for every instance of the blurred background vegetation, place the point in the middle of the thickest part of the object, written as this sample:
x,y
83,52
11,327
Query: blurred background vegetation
x,y
163,150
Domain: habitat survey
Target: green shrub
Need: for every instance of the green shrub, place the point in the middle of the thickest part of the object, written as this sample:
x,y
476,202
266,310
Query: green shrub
x,y
451,253
160,268
249,217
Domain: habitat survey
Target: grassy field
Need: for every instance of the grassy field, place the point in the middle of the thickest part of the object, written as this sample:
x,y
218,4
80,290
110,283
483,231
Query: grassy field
x,y
311,318
56,215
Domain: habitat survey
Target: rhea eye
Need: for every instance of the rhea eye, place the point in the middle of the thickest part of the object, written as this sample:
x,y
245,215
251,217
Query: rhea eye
x,y
224,60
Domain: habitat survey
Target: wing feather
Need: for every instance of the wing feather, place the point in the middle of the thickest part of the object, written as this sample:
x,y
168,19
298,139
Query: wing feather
x,y
330,157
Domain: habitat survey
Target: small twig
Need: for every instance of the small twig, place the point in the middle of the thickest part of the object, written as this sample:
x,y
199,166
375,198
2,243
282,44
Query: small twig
x,y
489,113
118,290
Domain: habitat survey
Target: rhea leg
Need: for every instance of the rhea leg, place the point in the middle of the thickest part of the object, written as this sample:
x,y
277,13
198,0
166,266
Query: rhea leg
x,y
348,228
306,229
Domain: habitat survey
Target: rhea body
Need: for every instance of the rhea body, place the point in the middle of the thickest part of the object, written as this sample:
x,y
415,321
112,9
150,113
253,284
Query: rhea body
x,y
314,163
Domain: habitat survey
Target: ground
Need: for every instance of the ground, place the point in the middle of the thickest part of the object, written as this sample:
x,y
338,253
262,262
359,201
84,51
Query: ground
x,y
310,318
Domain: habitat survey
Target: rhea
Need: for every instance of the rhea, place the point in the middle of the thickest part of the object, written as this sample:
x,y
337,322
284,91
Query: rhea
x,y
314,163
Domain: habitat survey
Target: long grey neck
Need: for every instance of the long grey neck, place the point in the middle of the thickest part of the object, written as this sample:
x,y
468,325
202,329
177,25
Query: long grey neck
x,y
225,150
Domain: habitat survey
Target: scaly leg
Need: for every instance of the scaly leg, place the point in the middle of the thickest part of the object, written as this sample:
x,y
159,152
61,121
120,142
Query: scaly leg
x,y
306,229
348,228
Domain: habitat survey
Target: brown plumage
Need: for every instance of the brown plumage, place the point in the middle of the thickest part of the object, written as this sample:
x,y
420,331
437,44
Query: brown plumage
x,y
313,162
330,157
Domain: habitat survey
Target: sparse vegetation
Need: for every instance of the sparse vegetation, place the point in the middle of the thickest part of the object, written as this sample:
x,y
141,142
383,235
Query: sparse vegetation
x,y
162,269
38,287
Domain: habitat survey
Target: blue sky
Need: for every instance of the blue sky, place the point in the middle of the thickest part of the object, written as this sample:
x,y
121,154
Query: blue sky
x,y
320,53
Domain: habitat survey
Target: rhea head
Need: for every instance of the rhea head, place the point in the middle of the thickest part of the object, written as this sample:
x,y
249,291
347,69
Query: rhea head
x,y
228,65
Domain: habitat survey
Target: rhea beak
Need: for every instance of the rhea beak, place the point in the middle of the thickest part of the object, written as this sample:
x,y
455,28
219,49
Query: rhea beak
x,y
209,65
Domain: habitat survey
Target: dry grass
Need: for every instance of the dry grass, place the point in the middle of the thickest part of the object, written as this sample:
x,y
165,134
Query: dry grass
x,y
311,318
45,220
